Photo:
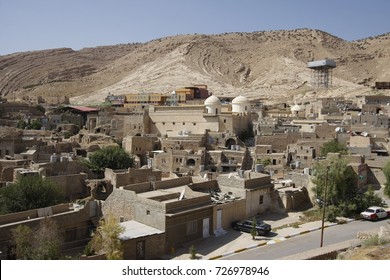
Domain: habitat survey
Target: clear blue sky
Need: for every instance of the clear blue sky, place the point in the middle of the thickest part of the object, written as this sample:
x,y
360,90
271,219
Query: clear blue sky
x,y
44,24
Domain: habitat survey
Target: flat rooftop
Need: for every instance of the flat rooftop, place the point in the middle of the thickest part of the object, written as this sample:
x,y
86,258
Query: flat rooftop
x,y
318,64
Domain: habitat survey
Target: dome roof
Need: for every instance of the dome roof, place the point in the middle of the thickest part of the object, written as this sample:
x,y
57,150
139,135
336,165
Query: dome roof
x,y
212,100
240,99
297,108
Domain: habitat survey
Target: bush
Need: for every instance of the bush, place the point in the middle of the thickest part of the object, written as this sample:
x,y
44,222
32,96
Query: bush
x,y
192,252
113,157
29,192
331,213
372,241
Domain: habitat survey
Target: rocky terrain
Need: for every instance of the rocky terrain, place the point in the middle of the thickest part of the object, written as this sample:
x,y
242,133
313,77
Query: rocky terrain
x,y
267,64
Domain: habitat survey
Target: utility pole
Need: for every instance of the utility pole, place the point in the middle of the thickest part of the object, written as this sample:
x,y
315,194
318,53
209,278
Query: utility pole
x,y
323,210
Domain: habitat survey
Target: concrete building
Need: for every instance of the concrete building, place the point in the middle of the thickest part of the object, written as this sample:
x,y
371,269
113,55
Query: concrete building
x,y
255,188
177,211
171,206
75,221
197,119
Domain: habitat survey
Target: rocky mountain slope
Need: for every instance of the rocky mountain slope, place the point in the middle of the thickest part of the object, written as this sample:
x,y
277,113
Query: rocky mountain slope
x,y
268,64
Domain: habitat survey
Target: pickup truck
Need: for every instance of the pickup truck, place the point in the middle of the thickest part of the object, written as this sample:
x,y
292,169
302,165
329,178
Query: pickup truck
x,y
375,213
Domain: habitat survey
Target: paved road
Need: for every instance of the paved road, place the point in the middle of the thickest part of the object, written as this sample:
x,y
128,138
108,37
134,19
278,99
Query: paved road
x,y
308,241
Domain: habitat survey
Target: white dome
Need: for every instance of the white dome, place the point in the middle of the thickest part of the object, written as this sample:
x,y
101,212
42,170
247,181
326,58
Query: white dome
x,y
212,100
240,99
297,108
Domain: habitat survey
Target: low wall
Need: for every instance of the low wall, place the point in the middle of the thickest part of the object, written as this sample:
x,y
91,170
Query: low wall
x,y
31,214
324,253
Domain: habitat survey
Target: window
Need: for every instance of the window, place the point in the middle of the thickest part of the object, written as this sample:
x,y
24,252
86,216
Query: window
x,y
261,199
192,227
224,121
147,212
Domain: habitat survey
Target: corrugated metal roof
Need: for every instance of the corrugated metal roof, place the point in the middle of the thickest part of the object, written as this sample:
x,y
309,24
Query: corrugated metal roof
x,y
135,229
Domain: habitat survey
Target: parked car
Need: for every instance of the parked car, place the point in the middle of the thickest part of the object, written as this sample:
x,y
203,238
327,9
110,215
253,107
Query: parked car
x,y
374,213
262,228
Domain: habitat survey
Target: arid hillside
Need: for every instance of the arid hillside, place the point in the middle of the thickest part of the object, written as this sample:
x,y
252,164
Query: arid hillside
x,y
267,64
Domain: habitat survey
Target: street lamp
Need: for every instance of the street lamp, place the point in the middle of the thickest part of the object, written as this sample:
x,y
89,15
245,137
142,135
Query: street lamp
x,y
323,210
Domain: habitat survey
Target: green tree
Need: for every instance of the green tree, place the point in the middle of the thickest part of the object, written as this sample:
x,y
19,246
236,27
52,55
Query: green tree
x,y
41,243
40,108
105,239
29,192
47,240
370,198
333,146
21,124
254,230
343,197
386,172
22,241
265,161
113,157
339,181
192,252
34,124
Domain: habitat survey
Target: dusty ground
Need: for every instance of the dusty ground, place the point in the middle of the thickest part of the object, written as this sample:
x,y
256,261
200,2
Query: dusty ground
x,y
266,64
379,252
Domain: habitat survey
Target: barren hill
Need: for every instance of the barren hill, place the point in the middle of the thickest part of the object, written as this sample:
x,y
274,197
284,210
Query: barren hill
x,y
267,64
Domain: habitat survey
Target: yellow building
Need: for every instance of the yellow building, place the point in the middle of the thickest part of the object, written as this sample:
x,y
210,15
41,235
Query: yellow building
x,y
138,100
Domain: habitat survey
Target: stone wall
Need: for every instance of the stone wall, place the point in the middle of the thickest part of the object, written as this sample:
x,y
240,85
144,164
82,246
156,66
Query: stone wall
x,y
119,203
178,225
73,185
154,247
231,211
131,176
192,202
166,184
295,199
63,168
279,142
255,206
76,225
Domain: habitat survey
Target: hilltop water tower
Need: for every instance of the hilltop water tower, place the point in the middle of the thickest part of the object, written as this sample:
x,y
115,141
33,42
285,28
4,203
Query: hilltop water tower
x,y
322,72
